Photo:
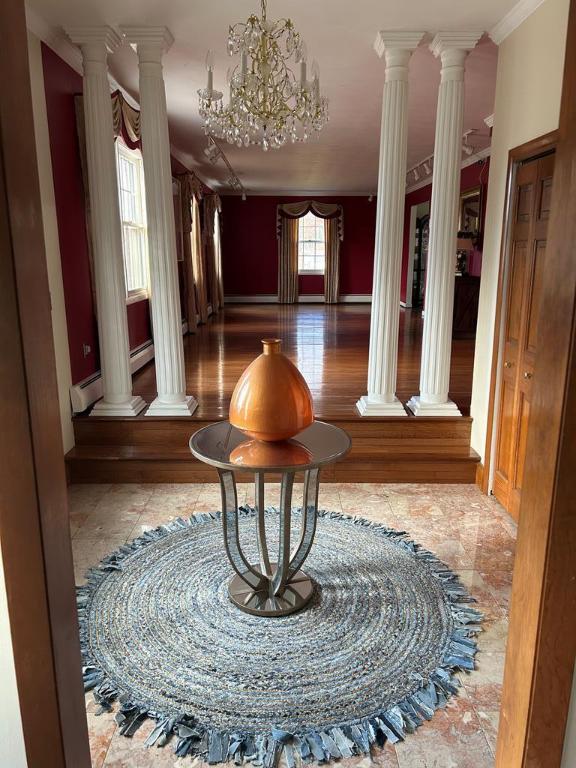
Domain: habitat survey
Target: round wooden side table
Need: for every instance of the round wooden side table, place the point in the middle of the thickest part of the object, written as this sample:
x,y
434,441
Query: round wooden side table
x,y
280,587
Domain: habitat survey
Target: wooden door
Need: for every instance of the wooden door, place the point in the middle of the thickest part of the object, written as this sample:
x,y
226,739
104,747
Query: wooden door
x,y
530,214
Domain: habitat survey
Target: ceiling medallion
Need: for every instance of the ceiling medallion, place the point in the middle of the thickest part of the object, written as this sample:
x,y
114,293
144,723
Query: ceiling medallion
x,y
268,105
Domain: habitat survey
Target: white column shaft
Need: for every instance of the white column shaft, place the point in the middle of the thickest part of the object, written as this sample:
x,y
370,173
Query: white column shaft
x,y
106,230
440,271
383,353
165,294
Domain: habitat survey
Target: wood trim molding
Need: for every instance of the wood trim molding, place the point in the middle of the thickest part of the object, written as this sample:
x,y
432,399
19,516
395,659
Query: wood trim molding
x,y
272,298
34,524
515,16
526,151
542,636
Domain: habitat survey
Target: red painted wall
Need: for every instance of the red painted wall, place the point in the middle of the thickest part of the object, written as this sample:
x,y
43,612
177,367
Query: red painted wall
x,y
470,177
250,247
61,85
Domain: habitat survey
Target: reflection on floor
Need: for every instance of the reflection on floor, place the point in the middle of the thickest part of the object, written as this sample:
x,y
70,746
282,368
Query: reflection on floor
x,y
328,343
467,530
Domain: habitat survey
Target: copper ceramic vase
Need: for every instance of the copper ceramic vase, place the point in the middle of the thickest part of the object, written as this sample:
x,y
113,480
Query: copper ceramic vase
x,y
271,400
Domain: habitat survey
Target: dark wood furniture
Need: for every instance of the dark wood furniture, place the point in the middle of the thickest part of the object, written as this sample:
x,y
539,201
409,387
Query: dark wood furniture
x,y
465,316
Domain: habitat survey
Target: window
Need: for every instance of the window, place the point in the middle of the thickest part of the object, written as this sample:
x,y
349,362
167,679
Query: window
x,y
311,245
133,217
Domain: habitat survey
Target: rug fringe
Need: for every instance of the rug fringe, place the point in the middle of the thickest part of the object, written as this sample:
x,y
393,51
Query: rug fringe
x,y
344,740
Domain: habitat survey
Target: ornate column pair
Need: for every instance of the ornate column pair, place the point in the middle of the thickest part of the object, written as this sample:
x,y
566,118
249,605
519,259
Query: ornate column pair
x,y
381,400
151,43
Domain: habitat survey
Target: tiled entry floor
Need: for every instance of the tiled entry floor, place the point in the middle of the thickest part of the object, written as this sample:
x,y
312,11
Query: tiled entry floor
x,y
467,530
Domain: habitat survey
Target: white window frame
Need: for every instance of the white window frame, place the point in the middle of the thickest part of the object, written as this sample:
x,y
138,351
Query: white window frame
x,y
134,157
302,256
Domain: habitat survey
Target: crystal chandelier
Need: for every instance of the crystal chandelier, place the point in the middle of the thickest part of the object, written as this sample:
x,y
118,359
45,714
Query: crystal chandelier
x,y
268,104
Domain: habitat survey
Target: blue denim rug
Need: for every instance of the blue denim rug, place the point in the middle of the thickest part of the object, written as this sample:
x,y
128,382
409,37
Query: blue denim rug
x,y
372,656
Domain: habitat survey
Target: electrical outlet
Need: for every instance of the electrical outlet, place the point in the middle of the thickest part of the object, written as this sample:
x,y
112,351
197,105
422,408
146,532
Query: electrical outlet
x,y
86,349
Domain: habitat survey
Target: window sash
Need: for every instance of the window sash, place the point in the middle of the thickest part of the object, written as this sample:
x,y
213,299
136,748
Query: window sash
x,y
133,219
311,245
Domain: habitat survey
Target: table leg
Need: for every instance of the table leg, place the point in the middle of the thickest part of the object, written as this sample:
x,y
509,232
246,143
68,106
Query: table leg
x,y
308,530
261,524
247,573
279,580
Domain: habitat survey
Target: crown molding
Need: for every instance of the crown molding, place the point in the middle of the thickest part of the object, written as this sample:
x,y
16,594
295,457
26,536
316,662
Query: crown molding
x,y
306,193
55,38
515,16
482,154
406,41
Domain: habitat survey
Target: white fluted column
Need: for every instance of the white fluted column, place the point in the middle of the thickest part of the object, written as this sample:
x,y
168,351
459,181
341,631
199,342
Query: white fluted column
x,y
95,42
151,43
381,400
452,47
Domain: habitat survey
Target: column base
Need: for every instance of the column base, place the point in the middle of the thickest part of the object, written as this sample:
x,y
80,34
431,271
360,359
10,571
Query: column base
x,y
419,408
131,407
184,408
367,407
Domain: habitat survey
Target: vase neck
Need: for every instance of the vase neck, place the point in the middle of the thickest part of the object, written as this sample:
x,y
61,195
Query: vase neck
x,y
271,346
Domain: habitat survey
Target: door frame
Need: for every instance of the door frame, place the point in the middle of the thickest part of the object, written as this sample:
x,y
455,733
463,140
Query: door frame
x,y
539,663
529,151
34,522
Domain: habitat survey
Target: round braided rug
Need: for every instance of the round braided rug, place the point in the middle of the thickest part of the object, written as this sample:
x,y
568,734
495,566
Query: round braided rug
x,y
369,659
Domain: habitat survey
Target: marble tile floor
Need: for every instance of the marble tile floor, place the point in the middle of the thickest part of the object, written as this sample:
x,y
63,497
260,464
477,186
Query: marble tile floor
x,y
469,531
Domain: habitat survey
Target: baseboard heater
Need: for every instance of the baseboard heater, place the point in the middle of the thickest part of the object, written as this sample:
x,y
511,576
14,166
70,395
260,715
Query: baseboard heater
x,y
87,391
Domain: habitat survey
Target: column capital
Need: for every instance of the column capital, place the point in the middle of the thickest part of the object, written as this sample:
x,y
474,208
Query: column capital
x,y
98,39
155,40
459,41
394,40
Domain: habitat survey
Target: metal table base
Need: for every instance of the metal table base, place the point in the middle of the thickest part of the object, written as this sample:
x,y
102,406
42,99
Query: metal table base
x,y
268,588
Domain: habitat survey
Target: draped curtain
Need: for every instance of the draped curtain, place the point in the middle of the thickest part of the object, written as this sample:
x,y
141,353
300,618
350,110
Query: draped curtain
x,y
332,270
194,266
212,208
287,233
188,239
288,262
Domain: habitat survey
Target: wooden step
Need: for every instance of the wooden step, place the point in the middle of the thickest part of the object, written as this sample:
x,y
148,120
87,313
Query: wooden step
x,y
153,464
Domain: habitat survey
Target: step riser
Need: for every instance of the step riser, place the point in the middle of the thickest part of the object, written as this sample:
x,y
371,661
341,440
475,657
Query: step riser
x,y
385,450
176,433
104,471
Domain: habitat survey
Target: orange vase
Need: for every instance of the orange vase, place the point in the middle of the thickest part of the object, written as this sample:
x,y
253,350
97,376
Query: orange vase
x,y
271,400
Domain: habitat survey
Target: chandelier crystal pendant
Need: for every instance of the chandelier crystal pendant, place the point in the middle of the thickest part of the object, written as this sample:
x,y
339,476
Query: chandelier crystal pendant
x,y
268,105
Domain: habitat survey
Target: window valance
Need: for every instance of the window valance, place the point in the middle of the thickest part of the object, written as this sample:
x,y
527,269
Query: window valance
x,y
297,210
126,120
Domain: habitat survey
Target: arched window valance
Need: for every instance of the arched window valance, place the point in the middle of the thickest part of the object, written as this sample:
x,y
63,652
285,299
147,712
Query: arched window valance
x,y
322,210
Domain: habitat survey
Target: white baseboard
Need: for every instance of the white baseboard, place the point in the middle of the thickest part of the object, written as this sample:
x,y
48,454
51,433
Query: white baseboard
x,y
272,298
87,391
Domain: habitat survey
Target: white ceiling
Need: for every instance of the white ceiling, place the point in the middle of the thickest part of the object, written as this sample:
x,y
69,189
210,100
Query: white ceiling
x,y
340,35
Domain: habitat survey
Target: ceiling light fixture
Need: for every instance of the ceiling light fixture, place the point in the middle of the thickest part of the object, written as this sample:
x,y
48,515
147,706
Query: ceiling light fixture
x,y
268,105
214,153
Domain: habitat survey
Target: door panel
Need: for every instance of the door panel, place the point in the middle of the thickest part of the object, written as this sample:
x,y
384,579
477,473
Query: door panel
x,y
531,211
534,298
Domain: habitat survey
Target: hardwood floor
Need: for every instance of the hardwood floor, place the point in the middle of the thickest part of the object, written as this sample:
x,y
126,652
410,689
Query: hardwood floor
x,y
330,346
328,343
